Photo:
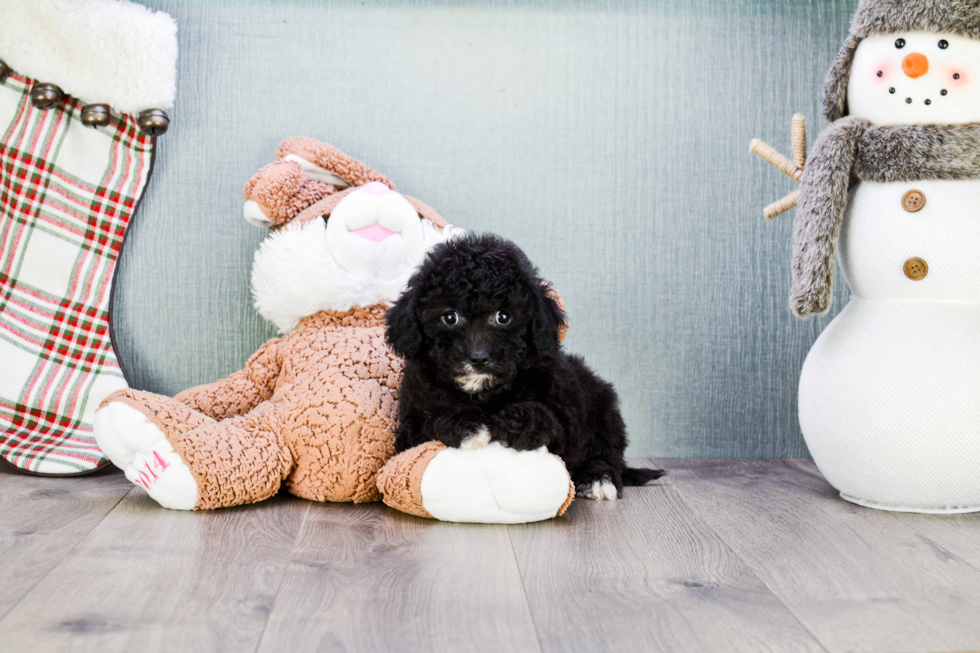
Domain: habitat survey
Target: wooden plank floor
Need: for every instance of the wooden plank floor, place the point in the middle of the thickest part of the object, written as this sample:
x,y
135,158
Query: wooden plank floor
x,y
729,556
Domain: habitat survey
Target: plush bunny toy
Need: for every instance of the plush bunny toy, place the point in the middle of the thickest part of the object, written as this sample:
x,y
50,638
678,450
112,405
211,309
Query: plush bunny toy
x,y
316,408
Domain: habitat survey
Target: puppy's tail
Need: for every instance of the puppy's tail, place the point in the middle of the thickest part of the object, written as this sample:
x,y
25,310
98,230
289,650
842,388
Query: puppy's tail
x,y
634,476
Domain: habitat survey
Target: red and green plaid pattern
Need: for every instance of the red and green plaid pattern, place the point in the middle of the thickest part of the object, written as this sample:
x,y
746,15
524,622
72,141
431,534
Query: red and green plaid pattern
x,y
67,193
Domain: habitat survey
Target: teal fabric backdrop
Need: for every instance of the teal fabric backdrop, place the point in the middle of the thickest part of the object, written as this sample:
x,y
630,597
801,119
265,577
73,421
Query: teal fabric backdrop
x,y
610,140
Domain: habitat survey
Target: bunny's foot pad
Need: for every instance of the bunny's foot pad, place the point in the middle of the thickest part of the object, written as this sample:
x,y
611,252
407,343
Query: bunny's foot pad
x,y
139,448
492,484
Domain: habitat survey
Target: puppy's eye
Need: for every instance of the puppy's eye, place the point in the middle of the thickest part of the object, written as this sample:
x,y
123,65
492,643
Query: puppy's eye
x,y
943,44
502,317
900,43
450,318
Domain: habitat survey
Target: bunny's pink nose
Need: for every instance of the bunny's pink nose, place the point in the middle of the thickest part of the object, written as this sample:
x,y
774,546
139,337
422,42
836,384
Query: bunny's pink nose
x,y
375,188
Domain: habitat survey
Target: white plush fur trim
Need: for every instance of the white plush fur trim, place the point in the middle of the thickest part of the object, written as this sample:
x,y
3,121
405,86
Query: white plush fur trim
x,y
110,52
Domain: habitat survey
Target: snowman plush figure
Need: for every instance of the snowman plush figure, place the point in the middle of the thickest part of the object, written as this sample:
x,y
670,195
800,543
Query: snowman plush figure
x,y
889,395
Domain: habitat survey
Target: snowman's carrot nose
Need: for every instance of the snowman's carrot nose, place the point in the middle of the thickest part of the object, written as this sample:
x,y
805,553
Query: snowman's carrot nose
x,y
915,65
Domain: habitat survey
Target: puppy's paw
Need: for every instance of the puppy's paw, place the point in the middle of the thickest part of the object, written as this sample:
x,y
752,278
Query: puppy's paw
x,y
598,490
525,426
478,440
454,429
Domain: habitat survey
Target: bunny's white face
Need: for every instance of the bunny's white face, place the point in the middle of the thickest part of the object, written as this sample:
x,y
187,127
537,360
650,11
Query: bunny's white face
x,y
363,254
375,231
916,78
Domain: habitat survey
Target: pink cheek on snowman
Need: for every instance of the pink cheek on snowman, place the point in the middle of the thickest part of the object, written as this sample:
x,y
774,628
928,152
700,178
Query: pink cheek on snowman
x,y
956,77
883,72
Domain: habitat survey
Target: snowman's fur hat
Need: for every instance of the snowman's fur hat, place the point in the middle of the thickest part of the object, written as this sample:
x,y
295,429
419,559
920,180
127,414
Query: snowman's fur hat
x,y
874,17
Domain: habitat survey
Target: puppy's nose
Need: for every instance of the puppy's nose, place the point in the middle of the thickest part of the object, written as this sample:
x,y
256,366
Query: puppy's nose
x,y
479,357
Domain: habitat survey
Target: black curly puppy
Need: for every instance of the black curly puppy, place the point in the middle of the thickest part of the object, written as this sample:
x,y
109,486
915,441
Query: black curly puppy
x,y
483,361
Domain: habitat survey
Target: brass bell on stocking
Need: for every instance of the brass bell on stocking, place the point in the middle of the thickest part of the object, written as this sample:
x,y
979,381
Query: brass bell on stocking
x,y
95,115
45,96
153,122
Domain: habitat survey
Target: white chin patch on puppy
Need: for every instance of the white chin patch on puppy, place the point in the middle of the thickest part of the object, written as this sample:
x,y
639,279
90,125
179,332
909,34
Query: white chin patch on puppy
x,y
472,382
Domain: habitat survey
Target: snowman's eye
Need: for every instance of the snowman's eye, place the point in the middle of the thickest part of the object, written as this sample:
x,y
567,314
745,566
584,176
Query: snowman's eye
x,y
943,44
900,43
956,76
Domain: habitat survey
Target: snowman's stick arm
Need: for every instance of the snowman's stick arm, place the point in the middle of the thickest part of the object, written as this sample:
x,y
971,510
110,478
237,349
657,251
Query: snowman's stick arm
x,y
799,141
775,159
785,166
783,205
792,169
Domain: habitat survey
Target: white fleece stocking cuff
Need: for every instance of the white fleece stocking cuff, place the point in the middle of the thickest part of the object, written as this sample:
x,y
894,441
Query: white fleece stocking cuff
x,y
110,52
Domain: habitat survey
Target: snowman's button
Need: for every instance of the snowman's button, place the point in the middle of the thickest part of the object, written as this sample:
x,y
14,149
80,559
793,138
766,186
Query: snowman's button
x,y
913,201
916,269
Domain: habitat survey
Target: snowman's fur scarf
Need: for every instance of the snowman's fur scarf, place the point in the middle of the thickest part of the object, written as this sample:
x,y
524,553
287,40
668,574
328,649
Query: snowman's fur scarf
x,y
907,153
823,197
874,17
850,149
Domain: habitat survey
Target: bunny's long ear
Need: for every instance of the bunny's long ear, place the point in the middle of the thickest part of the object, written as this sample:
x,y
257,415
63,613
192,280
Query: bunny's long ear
x,y
331,160
322,208
279,192
325,207
326,164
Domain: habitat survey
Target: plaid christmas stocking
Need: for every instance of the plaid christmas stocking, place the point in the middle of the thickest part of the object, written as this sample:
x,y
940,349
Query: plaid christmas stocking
x,y
68,191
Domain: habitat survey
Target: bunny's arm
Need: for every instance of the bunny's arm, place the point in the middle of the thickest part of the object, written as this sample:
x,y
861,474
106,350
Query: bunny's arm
x,y
241,391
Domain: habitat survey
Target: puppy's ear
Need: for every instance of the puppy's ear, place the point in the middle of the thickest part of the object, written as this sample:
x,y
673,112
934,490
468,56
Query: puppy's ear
x,y
404,332
547,321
